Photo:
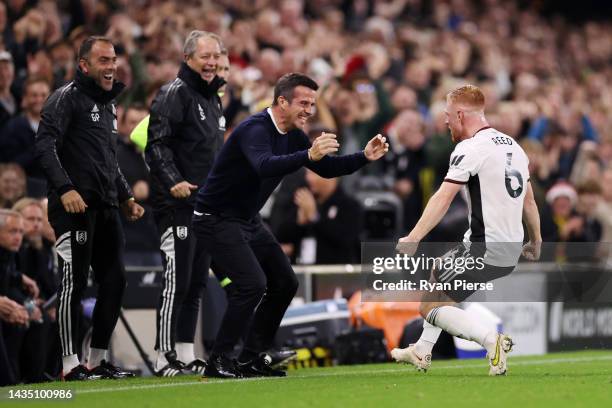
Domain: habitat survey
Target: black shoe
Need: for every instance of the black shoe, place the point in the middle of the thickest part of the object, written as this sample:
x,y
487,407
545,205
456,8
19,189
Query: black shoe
x,y
281,358
108,371
80,373
173,368
221,367
260,367
197,366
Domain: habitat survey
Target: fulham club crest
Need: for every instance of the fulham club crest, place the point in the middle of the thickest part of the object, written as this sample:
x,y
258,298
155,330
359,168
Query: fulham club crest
x,y
181,232
81,237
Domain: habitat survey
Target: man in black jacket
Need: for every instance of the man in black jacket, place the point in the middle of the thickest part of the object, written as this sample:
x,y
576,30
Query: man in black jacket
x,y
185,132
76,146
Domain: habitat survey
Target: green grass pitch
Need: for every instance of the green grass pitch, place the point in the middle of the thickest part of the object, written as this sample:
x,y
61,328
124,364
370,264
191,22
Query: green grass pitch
x,y
580,379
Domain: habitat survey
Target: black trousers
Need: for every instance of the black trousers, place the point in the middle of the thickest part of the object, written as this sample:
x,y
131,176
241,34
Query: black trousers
x,y
260,273
186,268
91,239
27,350
7,377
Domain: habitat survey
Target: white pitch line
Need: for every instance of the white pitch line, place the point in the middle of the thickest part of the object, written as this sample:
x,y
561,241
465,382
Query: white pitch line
x,y
355,372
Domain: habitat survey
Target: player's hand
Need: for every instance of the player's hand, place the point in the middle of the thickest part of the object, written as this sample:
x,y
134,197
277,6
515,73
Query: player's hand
x,y
182,189
30,285
407,245
73,202
322,146
532,250
376,148
132,210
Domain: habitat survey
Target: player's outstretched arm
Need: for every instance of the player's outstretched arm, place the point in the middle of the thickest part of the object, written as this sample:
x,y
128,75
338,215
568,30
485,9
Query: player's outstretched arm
x,y
436,207
531,216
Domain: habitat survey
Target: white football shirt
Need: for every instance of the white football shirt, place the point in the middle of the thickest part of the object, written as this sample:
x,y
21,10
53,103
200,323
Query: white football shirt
x,y
494,169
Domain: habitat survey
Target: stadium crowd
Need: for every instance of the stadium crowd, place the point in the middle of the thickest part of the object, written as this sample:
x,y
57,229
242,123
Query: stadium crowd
x,y
382,66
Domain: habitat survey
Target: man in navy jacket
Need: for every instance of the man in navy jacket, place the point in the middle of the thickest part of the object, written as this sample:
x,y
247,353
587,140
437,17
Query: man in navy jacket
x,y
251,164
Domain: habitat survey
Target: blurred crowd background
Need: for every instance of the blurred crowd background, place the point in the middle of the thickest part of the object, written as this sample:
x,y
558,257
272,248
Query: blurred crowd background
x,y
384,66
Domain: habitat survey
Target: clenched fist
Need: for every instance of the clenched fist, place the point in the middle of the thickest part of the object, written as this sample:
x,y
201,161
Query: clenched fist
x,y
73,202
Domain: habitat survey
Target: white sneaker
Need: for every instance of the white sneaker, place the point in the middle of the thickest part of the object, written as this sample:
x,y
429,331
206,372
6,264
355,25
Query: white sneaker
x,y
497,362
408,355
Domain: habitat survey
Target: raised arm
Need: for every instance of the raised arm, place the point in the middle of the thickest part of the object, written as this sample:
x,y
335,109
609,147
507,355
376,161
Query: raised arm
x,y
436,208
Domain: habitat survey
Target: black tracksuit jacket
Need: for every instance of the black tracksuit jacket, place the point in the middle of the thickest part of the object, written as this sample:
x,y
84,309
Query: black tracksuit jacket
x,y
185,133
76,143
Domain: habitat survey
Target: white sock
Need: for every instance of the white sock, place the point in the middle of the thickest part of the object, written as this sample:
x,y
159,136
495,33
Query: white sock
x,y
161,361
185,352
428,339
460,323
96,356
69,362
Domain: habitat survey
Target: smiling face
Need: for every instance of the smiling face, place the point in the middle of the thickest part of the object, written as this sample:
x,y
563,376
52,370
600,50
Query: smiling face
x,y
301,107
101,64
34,97
205,58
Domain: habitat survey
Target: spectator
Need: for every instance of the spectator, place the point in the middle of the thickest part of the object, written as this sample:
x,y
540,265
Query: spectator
x,y
8,101
17,139
406,161
585,227
20,289
562,199
36,255
12,184
329,222
40,350
129,158
141,244
11,312
604,208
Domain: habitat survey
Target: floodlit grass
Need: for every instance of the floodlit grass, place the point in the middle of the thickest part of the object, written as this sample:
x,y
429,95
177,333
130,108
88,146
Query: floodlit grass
x,y
555,380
